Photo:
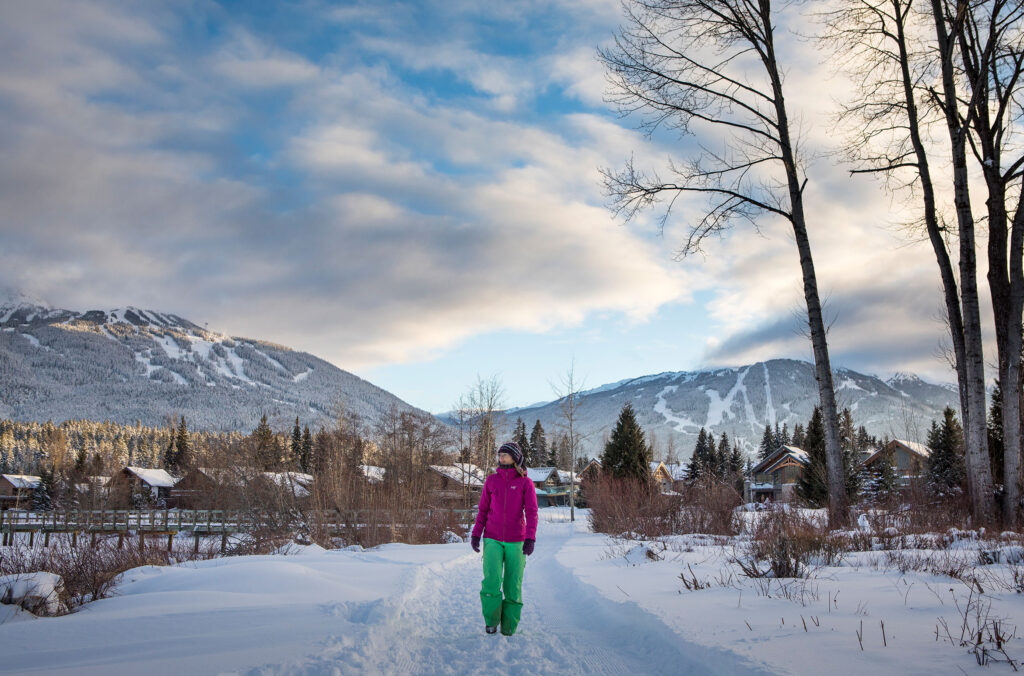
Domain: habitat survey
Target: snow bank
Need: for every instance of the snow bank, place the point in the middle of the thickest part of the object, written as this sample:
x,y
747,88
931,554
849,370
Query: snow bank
x,y
37,593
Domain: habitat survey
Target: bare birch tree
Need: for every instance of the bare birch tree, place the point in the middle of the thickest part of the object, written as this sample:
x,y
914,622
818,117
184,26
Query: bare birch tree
x,y
711,67
897,52
568,393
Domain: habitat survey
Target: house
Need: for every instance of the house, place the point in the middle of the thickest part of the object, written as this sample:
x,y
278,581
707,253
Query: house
x,y
775,478
93,492
221,487
17,490
590,472
661,474
454,484
299,484
373,474
678,472
909,458
549,486
141,485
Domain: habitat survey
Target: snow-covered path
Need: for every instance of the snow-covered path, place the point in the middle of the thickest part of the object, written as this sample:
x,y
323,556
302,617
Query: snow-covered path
x,y
395,610
566,628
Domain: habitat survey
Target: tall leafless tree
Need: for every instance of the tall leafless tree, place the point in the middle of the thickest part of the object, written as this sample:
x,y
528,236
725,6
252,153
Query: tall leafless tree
x,y
710,67
891,53
568,393
990,66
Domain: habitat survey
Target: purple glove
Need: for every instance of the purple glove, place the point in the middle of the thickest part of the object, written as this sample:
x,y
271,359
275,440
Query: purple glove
x,y
527,547
475,543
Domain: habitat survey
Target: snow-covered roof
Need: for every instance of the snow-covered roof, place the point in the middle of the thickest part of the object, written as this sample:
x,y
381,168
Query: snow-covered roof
x,y
676,470
157,478
781,452
471,469
458,474
22,480
373,473
298,482
565,476
540,474
914,447
917,449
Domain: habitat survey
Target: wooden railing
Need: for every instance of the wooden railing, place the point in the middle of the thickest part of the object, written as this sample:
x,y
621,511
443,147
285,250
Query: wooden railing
x,y
172,521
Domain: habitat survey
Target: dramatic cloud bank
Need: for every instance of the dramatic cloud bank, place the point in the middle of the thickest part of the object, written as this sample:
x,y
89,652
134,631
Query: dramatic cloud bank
x,y
376,183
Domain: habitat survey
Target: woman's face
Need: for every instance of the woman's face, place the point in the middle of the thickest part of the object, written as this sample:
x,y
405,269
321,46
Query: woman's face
x,y
504,459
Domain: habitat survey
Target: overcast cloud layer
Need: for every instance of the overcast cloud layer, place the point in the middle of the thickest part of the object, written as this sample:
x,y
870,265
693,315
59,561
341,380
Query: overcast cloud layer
x,y
375,183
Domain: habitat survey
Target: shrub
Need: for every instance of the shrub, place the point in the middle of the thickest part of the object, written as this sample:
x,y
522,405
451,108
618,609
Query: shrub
x,y
785,543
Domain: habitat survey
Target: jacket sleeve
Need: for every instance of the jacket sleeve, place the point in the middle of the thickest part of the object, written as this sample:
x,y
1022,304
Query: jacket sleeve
x,y
483,508
530,506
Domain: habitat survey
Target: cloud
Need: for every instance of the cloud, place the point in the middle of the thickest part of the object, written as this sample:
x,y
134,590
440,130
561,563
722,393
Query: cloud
x,y
408,223
250,62
389,191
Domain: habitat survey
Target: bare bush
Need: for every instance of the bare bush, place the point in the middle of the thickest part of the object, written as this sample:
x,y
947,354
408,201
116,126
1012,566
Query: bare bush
x,y
785,543
632,508
628,506
91,573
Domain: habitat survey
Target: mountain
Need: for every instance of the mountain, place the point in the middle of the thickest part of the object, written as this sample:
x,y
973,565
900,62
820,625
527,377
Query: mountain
x,y
740,401
130,365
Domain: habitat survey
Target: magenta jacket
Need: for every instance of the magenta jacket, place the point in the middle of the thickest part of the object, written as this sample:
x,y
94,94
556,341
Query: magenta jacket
x,y
508,507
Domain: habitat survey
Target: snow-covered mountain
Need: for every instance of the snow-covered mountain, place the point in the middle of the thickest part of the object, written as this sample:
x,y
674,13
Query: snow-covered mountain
x,y
740,401
130,364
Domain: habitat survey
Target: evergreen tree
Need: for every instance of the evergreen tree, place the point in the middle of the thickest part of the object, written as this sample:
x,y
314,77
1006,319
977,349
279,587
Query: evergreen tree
x,y
42,496
295,448
798,436
723,457
702,463
519,436
784,438
995,433
882,483
538,445
946,472
626,453
182,447
170,453
321,452
767,446
306,455
266,449
777,436
812,487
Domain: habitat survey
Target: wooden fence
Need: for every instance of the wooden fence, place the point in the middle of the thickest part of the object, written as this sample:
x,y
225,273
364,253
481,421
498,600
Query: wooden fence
x,y
170,522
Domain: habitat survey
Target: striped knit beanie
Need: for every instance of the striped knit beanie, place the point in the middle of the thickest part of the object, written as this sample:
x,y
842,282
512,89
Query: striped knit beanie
x,y
512,448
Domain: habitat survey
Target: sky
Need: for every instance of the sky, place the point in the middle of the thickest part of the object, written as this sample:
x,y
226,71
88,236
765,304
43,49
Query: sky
x,y
411,191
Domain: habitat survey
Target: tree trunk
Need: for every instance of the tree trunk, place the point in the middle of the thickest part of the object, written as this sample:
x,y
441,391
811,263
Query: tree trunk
x,y
979,474
838,509
1010,373
950,291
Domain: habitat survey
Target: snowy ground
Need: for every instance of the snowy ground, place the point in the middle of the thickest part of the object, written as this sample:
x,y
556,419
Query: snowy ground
x,y
593,606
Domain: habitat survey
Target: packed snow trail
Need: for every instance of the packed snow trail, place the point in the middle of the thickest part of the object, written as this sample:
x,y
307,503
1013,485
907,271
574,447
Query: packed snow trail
x,y
395,609
567,627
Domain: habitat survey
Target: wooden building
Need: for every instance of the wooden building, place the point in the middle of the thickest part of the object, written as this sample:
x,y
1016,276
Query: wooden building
x,y
137,486
775,478
909,458
456,485
17,490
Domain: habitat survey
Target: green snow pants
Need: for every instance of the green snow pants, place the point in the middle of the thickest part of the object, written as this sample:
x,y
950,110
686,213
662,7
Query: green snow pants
x,y
505,611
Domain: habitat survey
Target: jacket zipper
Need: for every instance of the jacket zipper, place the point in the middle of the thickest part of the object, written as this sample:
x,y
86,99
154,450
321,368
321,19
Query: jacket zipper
x,y
504,499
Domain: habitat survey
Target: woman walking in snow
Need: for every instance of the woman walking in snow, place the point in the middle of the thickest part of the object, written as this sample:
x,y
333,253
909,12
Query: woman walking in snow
x,y
507,519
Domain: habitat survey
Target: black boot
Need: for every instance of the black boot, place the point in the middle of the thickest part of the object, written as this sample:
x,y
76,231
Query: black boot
x,y
491,630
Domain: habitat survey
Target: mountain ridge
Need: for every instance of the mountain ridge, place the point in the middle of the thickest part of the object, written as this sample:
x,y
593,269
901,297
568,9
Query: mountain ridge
x,y
131,364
